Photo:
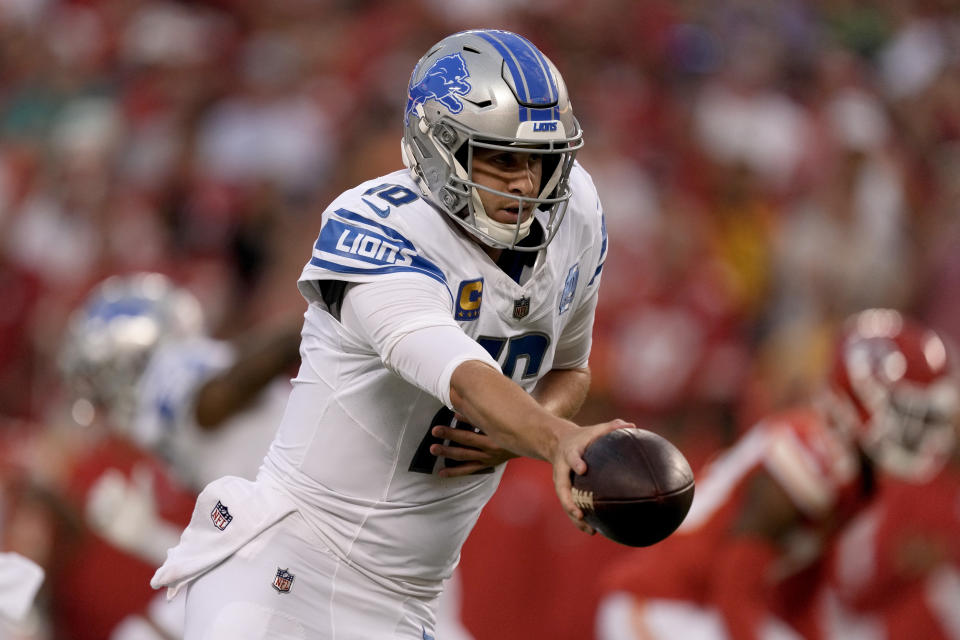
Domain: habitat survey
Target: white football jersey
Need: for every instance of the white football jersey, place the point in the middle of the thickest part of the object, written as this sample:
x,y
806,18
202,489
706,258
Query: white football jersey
x,y
165,421
353,447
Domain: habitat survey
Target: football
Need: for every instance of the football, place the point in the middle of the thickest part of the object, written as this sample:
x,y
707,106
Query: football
x,y
637,489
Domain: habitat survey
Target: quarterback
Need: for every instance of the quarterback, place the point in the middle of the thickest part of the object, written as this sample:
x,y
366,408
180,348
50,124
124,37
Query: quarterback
x,y
448,328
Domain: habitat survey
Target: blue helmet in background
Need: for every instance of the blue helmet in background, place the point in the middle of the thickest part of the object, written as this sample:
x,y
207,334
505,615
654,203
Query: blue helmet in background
x,y
111,336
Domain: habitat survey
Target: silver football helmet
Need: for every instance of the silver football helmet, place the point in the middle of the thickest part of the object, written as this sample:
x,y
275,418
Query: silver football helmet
x,y
111,336
493,90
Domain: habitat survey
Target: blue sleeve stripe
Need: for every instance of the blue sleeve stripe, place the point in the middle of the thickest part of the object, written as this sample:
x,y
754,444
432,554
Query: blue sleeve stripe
x,y
603,246
345,243
603,233
595,274
337,267
389,232
351,244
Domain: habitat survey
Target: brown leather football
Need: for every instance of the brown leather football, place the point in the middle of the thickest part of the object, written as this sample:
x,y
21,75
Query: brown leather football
x,y
637,489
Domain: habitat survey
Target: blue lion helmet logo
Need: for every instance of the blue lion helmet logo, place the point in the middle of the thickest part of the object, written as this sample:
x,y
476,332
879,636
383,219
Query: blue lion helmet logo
x,y
443,82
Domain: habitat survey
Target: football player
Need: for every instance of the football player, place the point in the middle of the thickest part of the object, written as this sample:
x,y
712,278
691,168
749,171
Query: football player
x,y
58,474
137,352
163,407
748,560
139,349
458,293
896,569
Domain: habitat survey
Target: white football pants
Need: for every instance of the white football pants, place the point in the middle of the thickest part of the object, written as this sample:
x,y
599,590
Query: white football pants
x,y
326,600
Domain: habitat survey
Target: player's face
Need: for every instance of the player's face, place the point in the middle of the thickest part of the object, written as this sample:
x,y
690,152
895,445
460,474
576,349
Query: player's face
x,y
511,172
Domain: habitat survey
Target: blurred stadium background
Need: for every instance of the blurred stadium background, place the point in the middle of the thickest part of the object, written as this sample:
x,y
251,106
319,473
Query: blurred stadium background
x,y
767,168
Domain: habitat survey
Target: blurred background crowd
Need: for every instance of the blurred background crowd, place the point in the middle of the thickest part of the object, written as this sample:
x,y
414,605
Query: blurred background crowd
x,y
767,168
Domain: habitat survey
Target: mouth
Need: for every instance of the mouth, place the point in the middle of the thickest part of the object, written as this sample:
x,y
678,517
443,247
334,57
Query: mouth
x,y
516,212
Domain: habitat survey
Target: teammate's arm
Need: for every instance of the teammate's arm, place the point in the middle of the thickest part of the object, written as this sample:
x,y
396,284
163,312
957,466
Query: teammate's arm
x,y
261,358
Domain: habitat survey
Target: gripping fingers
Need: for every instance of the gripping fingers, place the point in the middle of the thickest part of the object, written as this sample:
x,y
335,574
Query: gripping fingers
x,y
564,493
465,469
461,437
458,453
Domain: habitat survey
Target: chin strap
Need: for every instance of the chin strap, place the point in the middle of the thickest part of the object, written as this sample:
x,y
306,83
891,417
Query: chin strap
x,y
499,231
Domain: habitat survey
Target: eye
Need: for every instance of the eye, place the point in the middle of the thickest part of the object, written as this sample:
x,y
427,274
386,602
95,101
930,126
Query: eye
x,y
504,159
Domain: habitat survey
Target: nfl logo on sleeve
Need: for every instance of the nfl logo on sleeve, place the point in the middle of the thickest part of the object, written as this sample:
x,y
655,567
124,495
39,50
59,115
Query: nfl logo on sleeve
x,y
283,580
221,516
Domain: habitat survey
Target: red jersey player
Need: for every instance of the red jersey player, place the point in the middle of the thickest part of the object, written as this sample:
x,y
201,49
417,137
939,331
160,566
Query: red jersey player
x,y
896,569
748,561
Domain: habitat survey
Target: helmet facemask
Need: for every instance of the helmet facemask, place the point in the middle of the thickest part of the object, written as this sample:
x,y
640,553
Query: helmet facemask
x,y
552,196
912,429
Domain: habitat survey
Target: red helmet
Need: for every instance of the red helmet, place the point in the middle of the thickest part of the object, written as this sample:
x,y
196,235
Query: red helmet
x,y
896,384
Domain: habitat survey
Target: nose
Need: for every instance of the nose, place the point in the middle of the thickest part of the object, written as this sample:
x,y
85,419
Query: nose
x,y
523,181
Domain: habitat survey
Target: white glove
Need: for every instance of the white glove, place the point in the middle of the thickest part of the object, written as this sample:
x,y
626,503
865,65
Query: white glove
x,y
20,578
124,512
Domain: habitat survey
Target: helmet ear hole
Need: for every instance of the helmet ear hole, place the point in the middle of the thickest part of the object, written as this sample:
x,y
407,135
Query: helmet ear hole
x,y
550,174
461,154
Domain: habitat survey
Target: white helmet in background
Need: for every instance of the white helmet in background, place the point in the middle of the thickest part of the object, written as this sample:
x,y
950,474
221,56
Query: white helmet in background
x,y
494,90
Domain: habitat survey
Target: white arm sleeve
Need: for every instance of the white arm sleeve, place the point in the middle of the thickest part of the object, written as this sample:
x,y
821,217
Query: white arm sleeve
x,y
573,347
408,320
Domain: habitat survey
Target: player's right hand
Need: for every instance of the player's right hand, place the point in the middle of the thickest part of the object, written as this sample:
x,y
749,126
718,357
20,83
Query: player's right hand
x,y
569,456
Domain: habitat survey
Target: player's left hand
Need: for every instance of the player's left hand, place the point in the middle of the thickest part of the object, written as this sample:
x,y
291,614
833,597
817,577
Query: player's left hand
x,y
475,451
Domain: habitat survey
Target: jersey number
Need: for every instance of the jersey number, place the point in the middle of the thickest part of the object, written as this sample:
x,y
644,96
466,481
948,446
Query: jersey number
x,y
528,349
392,194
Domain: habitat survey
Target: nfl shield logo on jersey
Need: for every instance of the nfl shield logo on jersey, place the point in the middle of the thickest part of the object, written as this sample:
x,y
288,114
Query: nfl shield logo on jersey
x,y
283,580
221,516
521,308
